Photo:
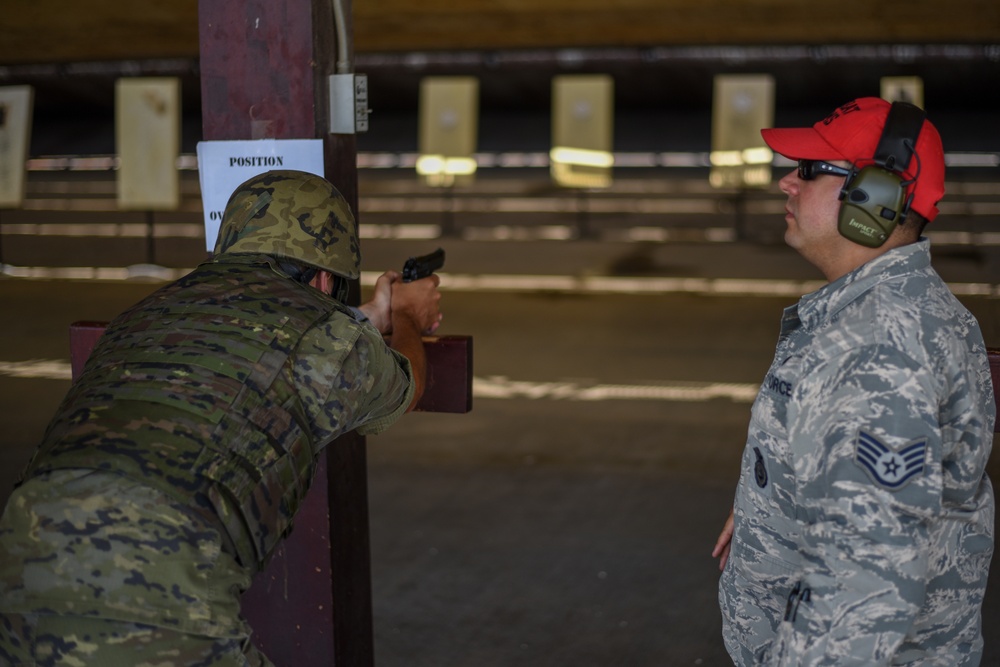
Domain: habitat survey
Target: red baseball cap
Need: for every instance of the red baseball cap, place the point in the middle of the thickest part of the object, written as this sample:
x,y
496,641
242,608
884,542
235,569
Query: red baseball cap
x,y
852,133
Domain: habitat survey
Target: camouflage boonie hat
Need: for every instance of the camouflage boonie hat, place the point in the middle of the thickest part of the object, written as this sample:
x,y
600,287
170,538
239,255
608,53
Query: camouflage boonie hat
x,y
292,214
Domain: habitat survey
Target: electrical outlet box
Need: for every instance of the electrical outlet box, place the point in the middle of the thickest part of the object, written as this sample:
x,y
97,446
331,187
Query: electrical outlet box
x,y
348,103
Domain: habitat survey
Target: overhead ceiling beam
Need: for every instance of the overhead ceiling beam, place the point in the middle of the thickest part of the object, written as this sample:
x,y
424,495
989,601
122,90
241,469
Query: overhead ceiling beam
x,y
64,31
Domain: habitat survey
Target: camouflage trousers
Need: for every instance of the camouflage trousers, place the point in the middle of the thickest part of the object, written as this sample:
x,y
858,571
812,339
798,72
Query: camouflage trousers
x,y
50,640
97,570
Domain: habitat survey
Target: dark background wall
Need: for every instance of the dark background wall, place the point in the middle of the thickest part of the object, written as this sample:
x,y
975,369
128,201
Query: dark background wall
x,y
662,53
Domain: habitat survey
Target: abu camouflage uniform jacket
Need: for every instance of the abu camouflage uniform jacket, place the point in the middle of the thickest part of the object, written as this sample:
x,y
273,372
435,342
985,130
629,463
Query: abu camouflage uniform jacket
x,y
863,515
221,389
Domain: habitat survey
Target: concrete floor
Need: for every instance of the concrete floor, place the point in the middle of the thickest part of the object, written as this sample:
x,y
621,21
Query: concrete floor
x,y
535,532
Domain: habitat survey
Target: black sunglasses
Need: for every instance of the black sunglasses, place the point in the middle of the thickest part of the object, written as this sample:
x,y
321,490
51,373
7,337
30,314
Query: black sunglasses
x,y
810,169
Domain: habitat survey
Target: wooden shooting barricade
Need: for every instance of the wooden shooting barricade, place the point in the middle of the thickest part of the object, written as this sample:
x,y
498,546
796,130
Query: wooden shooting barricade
x,y
290,604
264,67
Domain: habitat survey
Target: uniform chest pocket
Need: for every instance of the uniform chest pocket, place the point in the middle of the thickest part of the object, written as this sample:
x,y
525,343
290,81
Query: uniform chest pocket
x,y
767,472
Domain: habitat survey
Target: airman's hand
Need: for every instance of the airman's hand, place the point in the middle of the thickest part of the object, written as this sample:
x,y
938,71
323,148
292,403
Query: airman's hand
x,y
724,542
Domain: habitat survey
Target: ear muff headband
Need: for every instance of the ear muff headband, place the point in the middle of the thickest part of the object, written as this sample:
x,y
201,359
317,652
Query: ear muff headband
x,y
874,197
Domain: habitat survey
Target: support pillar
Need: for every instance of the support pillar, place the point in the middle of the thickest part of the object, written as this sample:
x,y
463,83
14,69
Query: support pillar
x,y
264,65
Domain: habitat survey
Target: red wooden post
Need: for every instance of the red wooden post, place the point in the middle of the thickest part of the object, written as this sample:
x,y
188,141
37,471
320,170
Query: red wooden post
x,y
264,65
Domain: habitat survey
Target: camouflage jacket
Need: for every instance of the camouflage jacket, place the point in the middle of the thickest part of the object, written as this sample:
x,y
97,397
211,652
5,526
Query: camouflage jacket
x,y
222,389
863,514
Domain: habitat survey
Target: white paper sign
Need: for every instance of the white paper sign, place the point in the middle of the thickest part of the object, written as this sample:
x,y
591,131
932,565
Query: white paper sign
x,y
224,165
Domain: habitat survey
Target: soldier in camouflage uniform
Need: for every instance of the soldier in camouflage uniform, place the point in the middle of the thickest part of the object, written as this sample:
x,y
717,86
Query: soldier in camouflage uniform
x,y
862,528
177,461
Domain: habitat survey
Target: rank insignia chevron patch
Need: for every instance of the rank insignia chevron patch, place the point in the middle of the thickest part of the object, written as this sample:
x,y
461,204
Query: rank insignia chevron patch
x,y
887,467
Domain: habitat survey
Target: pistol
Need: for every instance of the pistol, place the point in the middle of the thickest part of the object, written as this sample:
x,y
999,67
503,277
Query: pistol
x,y
416,268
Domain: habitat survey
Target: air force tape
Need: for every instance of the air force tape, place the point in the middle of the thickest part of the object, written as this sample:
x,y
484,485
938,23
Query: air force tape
x,y
889,468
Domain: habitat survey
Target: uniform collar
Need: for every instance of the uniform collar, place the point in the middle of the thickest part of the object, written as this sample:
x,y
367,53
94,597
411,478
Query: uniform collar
x,y
819,307
242,258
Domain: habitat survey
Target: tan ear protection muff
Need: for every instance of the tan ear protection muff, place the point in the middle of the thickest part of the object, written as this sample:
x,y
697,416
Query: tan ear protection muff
x,y
874,197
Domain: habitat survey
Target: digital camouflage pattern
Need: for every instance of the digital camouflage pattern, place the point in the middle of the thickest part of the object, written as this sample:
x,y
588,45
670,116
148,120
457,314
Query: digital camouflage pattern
x,y
863,515
72,641
217,392
75,564
292,214
194,390
191,391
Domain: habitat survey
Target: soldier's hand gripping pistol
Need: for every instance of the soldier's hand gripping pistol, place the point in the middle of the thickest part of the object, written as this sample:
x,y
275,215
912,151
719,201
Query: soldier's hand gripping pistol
x,y
416,268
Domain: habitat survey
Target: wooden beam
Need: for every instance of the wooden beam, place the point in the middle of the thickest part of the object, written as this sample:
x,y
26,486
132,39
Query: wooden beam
x,y
449,363
44,31
263,67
